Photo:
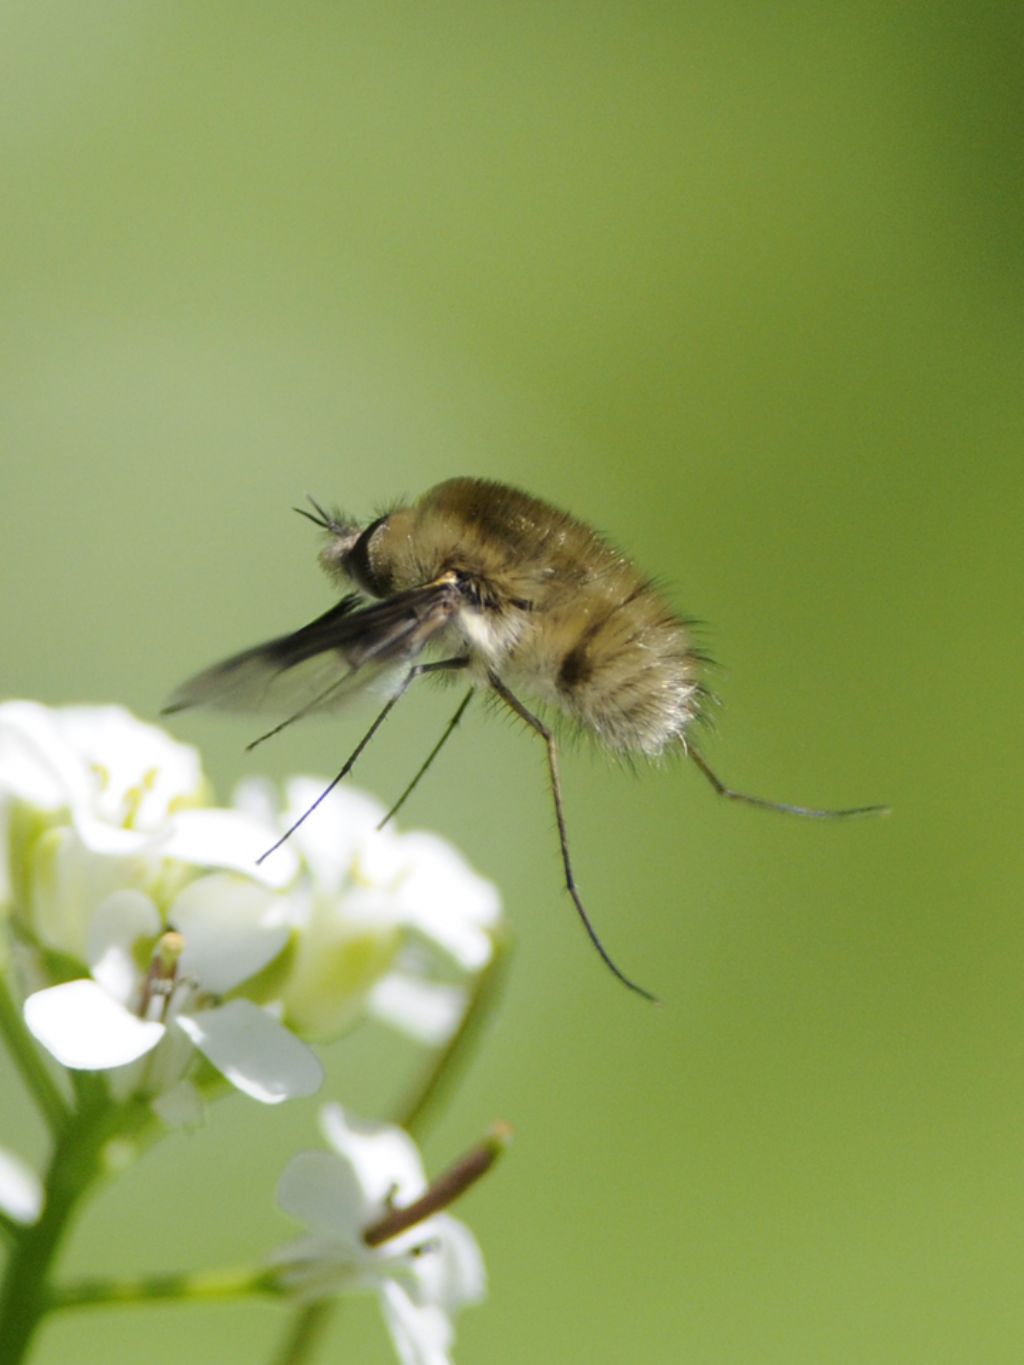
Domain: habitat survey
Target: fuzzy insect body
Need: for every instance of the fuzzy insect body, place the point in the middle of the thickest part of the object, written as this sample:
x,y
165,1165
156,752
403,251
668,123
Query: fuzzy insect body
x,y
514,593
543,601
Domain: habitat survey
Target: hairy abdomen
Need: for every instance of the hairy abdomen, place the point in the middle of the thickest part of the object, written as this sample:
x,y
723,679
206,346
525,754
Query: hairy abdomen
x,y
619,664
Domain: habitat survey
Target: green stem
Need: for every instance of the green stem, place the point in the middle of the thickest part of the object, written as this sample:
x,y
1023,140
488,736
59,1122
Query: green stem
x,y
206,1286
29,1062
75,1165
455,1054
308,1327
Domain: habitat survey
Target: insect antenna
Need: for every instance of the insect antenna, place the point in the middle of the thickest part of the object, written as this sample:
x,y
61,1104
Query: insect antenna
x,y
319,516
539,728
783,807
411,787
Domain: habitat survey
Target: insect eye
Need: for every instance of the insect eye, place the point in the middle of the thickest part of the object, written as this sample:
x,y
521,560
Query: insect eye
x,y
368,569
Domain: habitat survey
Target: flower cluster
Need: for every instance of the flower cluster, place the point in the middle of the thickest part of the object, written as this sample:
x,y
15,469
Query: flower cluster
x,y
143,931
144,938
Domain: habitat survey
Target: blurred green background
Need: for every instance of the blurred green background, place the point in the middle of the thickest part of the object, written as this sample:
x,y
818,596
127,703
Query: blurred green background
x,y
739,284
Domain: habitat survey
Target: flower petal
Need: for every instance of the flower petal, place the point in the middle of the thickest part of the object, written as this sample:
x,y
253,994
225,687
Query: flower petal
x,y
384,1159
232,928
67,881
450,1272
117,925
229,839
253,1051
318,1189
139,773
343,838
428,1011
36,764
320,1266
447,901
421,1333
87,1030
21,1192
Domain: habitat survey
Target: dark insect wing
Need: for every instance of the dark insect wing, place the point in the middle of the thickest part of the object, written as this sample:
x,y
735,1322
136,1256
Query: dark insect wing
x,y
289,673
323,663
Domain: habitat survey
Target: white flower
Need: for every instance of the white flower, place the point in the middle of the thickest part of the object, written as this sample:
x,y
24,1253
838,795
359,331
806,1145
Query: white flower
x,y
114,771
144,924
156,995
422,1276
387,919
93,801
107,850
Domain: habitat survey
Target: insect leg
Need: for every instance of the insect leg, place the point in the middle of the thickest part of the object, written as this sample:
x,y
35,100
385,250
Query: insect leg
x,y
429,759
811,812
416,671
297,715
538,727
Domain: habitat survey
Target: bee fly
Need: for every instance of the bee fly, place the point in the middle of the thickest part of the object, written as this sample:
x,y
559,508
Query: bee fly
x,y
510,592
